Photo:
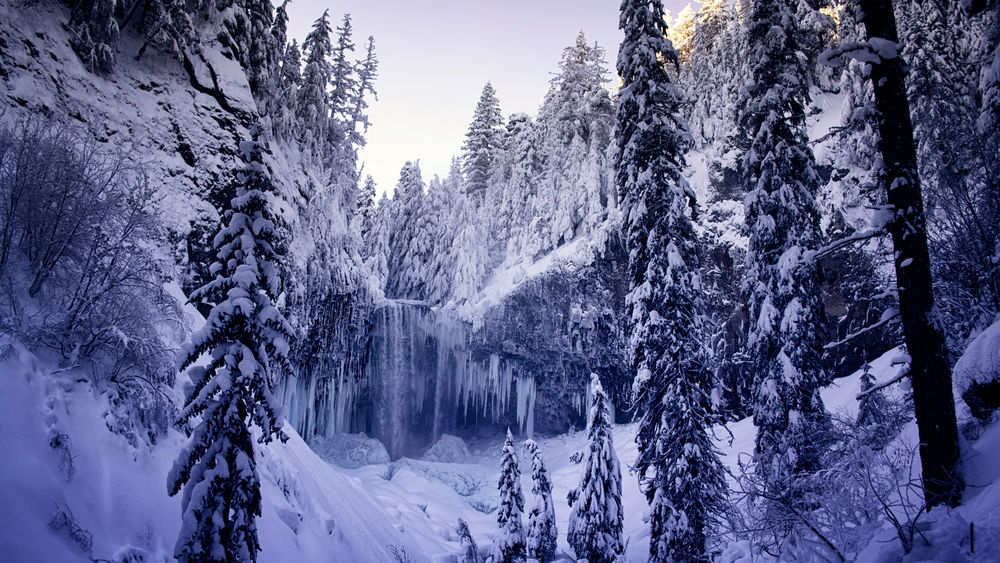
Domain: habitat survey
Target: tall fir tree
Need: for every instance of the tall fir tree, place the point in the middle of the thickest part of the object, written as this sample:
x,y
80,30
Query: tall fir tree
x,y
367,72
247,342
409,245
286,100
343,84
375,247
575,123
508,545
596,516
482,142
365,206
782,280
677,463
542,533
95,33
313,104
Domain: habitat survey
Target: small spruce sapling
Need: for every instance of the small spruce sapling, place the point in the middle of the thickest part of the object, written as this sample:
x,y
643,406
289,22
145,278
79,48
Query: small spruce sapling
x,y
542,533
595,520
509,546
468,551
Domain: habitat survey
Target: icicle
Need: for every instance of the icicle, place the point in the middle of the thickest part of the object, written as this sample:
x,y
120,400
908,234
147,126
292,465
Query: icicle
x,y
526,404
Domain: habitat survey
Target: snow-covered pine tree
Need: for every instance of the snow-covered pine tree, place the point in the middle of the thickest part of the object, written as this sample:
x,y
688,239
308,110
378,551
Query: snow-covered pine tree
x,y
957,170
276,42
409,243
542,533
782,280
312,104
482,141
167,26
95,33
677,464
705,73
343,83
247,342
468,551
468,256
365,207
375,246
574,123
508,545
367,71
595,519
522,164
874,412
444,215
681,32
246,34
286,100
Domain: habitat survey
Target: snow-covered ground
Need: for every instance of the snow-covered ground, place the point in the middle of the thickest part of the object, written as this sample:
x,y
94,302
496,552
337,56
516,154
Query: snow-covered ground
x,y
424,494
74,491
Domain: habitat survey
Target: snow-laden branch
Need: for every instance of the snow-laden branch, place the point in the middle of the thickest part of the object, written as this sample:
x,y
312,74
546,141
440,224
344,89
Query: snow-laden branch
x,y
888,316
875,50
903,373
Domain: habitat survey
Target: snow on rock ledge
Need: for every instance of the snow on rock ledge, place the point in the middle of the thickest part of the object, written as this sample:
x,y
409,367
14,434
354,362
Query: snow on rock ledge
x,y
448,449
976,376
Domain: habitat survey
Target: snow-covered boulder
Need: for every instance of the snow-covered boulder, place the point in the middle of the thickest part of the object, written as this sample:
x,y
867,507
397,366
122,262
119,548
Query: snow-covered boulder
x,y
350,450
976,376
448,449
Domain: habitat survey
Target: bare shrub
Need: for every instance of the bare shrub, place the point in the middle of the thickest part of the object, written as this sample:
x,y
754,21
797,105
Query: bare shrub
x,y
831,514
80,265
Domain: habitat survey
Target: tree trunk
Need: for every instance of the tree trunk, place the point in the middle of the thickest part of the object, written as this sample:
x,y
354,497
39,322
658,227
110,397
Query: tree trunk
x,y
929,369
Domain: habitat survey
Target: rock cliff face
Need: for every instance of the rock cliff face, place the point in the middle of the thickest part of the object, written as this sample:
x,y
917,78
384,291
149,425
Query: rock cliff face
x,y
149,108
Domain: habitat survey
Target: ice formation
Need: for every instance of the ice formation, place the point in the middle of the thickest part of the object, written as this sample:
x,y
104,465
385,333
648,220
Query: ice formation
x,y
419,380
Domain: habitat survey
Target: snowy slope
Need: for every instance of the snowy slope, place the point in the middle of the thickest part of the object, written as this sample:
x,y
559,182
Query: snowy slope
x,y
424,494
117,495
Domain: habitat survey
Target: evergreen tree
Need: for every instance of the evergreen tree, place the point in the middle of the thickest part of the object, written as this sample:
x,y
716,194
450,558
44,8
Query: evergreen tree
x,y
957,180
95,33
375,248
468,552
482,141
443,215
409,240
469,255
343,83
247,341
167,26
782,281
365,207
367,72
286,99
677,464
874,418
313,105
542,532
246,34
681,33
575,123
508,546
595,520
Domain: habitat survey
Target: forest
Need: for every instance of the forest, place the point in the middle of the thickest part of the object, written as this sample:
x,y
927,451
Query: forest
x,y
731,294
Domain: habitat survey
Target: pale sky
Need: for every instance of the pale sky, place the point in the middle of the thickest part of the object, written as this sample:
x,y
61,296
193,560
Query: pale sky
x,y
436,55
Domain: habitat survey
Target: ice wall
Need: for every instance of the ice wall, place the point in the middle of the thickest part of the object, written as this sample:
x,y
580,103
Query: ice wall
x,y
419,379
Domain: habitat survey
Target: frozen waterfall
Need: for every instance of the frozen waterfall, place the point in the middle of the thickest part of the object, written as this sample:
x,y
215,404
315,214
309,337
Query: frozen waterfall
x,y
419,379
